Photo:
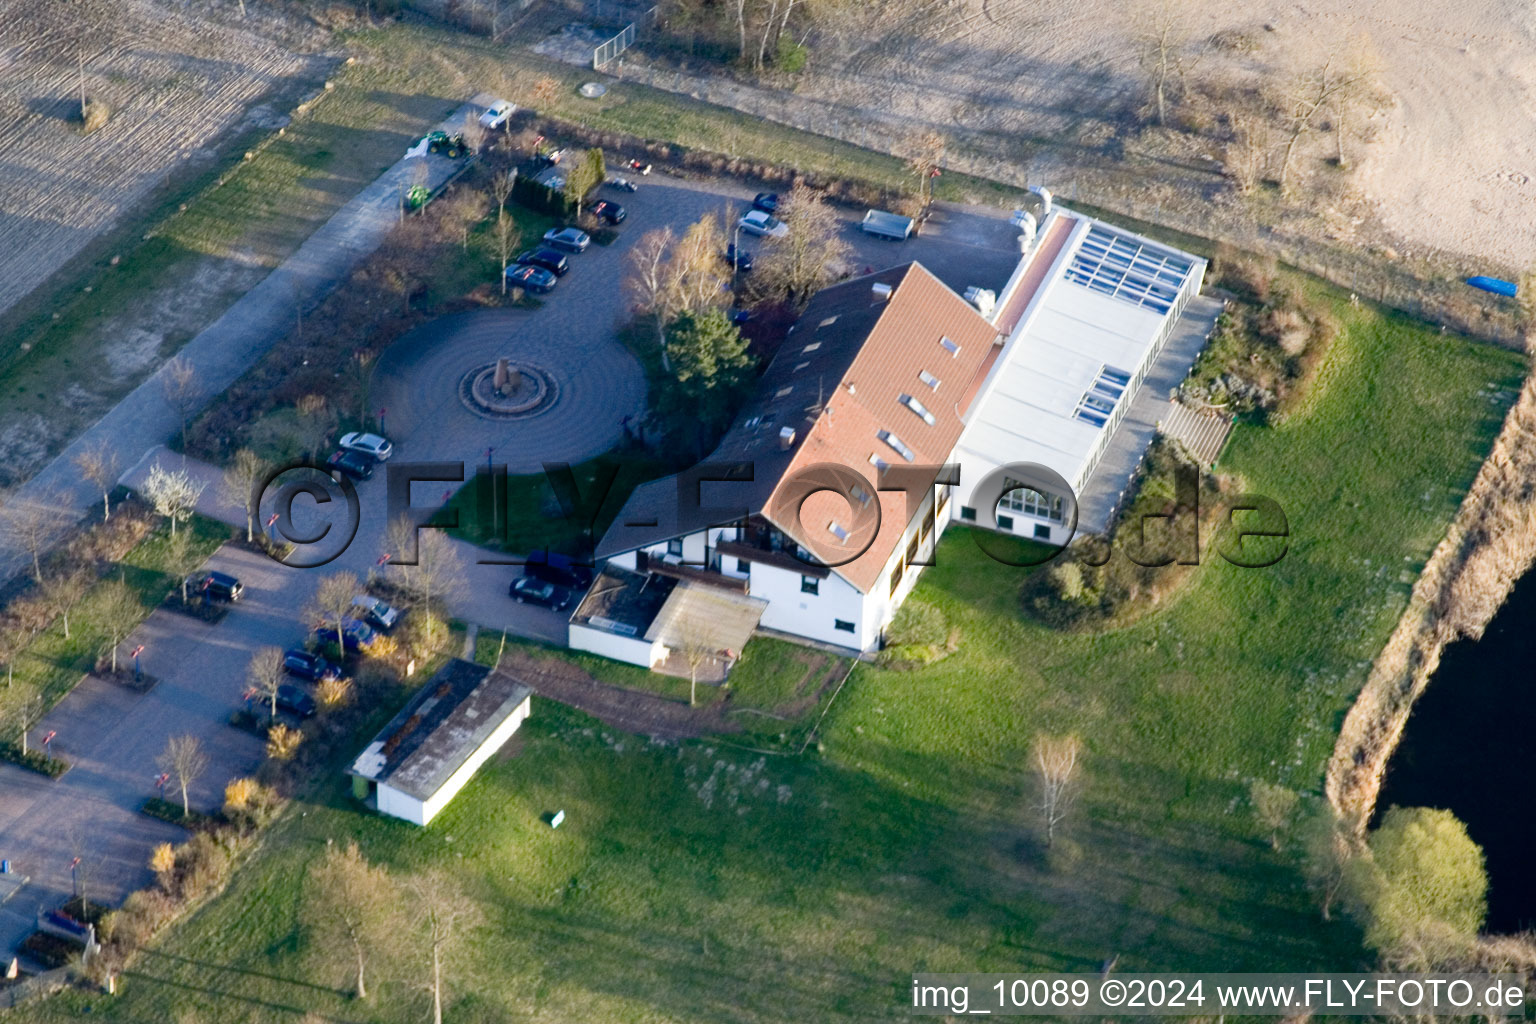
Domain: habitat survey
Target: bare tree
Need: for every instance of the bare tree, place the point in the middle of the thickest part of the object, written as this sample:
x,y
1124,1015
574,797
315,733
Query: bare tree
x,y
1326,850
1341,81
437,568
318,420
647,280
61,591
33,523
800,263
265,674
473,132
120,609
696,272
362,368
1163,39
923,152
29,711
98,463
334,597
182,390
508,235
501,188
443,912
1057,761
173,493
185,761
241,476
354,903
183,557
1274,806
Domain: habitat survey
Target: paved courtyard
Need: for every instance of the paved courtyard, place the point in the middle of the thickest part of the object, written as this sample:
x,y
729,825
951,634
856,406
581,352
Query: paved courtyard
x,y
113,736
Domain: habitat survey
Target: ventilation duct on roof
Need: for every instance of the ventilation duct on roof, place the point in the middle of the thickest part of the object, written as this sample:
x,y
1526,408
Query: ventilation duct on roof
x,y
786,438
881,291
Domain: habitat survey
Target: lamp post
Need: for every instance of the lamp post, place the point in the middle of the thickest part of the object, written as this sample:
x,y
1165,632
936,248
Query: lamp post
x,y
74,880
160,782
271,522
137,675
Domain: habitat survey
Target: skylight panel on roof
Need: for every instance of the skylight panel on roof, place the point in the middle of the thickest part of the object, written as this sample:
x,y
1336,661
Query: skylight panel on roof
x,y
828,322
812,347
949,346
896,443
783,391
837,530
918,408
1098,403
1136,272
878,462
929,379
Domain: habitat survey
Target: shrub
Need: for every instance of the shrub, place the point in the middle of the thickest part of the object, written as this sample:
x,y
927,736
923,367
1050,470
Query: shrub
x,y
33,760
283,742
917,636
334,693
94,114
163,863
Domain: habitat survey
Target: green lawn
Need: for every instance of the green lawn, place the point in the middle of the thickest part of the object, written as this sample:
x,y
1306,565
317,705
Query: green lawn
x,y
52,663
703,883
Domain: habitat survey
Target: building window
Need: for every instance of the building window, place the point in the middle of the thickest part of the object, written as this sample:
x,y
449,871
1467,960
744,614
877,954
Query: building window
x,y
950,346
743,566
842,624
1019,498
895,578
675,547
810,585
967,513
1005,522
1042,532
929,379
912,548
838,530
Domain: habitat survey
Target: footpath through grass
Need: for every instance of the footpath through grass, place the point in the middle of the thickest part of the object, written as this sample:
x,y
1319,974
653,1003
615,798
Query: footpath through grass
x,y
700,883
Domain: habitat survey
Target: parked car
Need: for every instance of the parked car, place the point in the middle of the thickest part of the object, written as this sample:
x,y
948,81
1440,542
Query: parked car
x,y
496,114
622,185
738,259
217,586
309,666
355,635
372,445
375,613
295,701
608,212
768,202
353,464
532,590
561,570
756,222
532,279
548,259
568,239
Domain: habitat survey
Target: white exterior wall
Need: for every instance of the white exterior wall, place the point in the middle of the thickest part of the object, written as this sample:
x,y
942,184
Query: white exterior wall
x,y
399,805
633,650
812,616
419,812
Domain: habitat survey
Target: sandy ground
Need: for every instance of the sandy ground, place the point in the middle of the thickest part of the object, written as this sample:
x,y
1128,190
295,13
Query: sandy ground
x,y
1451,162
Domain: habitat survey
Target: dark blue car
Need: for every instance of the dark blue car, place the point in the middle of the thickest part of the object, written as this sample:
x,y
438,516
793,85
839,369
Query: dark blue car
x,y
355,635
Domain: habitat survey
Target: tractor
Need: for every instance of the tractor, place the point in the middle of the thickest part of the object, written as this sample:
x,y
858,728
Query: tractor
x,y
451,146
417,197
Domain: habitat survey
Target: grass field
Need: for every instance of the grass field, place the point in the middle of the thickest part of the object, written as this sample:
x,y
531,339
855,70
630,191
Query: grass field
x,y
700,883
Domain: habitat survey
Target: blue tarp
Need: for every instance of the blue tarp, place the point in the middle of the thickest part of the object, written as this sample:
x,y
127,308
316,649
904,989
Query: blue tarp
x,y
1494,285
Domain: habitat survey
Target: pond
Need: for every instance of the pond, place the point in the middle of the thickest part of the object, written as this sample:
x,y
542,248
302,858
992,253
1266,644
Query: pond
x,y
1467,748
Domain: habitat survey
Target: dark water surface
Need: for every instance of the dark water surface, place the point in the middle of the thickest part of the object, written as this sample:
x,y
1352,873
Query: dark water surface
x,y
1468,749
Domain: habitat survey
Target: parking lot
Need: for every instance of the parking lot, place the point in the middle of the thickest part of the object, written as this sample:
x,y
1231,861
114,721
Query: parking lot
x,y
113,736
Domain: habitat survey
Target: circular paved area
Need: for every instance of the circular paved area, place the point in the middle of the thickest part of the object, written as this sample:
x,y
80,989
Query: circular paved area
x,y
598,384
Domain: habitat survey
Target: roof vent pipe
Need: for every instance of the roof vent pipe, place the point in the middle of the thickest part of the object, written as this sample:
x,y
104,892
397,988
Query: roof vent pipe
x,y
786,438
881,291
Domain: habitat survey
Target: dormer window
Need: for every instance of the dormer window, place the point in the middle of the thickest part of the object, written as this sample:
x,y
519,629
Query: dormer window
x,y
896,443
918,408
949,346
929,379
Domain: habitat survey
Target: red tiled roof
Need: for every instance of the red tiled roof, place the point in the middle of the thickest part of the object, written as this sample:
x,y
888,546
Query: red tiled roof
x,y
904,341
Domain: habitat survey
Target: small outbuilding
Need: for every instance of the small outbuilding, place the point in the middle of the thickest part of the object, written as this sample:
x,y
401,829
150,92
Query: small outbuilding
x,y
427,752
